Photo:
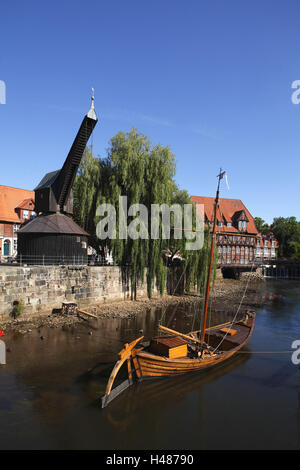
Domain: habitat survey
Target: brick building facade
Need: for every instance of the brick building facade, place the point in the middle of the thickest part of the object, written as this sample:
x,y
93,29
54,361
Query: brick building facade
x,y
16,206
238,241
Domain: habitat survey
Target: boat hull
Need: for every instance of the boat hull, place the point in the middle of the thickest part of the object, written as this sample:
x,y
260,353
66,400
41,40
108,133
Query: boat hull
x,y
148,365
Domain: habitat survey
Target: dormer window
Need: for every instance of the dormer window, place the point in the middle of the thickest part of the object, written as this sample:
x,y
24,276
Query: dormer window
x,y
229,224
220,223
242,225
25,214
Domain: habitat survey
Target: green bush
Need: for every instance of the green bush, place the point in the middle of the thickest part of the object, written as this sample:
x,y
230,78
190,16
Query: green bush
x,y
18,307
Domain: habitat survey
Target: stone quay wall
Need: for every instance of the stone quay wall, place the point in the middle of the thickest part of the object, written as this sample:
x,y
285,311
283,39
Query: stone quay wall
x,y
44,288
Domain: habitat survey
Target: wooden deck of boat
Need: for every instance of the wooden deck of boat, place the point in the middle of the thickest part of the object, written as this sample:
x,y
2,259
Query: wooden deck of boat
x,y
242,332
152,365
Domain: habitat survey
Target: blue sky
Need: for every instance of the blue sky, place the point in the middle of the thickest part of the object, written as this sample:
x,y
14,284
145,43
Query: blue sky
x,y
211,79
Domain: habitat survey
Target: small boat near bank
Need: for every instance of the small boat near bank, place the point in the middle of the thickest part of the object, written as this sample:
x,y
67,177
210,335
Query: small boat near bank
x,y
178,353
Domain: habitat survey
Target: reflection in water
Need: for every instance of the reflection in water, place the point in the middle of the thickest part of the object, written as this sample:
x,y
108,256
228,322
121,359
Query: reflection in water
x,y
156,392
51,388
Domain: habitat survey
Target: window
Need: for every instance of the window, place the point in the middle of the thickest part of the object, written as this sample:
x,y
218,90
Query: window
x,y
15,227
220,223
229,249
238,250
229,224
242,225
246,250
25,214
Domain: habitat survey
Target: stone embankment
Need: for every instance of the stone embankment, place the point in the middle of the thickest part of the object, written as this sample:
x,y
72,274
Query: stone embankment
x,y
226,294
252,277
44,288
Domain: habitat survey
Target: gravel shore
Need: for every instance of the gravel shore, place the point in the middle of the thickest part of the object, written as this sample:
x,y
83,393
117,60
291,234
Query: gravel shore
x,y
226,294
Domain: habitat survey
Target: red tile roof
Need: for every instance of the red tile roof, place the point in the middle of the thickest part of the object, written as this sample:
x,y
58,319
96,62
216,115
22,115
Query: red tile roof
x,y
27,204
10,198
227,209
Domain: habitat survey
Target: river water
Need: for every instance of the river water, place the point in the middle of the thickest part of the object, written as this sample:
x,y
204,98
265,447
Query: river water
x,y
50,388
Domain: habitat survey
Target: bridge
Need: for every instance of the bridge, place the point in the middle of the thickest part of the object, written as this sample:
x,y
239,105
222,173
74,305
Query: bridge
x,y
281,268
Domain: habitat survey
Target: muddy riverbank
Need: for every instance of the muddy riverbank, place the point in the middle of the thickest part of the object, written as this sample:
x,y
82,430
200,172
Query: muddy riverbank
x,y
226,294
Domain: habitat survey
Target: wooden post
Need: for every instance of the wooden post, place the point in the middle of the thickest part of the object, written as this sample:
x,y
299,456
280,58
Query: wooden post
x,y
168,330
211,259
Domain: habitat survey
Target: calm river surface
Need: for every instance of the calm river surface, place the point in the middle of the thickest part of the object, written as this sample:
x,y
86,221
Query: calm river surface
x,y
50,389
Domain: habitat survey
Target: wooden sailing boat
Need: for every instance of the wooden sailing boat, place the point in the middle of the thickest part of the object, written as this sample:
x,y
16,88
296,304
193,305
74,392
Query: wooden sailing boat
x,y
178,353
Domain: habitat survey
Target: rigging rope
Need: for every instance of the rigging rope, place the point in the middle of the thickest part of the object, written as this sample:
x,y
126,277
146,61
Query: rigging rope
x,y
238,309
163,314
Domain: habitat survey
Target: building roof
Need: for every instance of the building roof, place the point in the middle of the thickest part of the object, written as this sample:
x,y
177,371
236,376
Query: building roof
x,y
228,210
47,180
52,223
10,198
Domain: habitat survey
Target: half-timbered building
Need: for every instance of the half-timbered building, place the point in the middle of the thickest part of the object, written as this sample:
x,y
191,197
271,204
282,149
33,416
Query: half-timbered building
x,y
237,238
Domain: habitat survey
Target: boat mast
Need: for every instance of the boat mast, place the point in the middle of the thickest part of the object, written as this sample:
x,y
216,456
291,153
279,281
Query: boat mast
x,y
220,176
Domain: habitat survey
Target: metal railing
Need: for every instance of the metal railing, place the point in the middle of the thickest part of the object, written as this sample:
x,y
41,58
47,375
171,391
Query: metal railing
x,y
64,260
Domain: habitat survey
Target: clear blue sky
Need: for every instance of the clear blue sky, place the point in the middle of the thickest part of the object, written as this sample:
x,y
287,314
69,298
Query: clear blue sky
x,y
211,79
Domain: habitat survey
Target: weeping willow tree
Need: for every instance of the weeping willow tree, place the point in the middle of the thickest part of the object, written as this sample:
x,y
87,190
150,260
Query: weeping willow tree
x,y
145,175
86,187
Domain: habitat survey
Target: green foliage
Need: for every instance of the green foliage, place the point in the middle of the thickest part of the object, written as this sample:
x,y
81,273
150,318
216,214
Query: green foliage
x,y
18,308
145,174
85,193
262,226
287,233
